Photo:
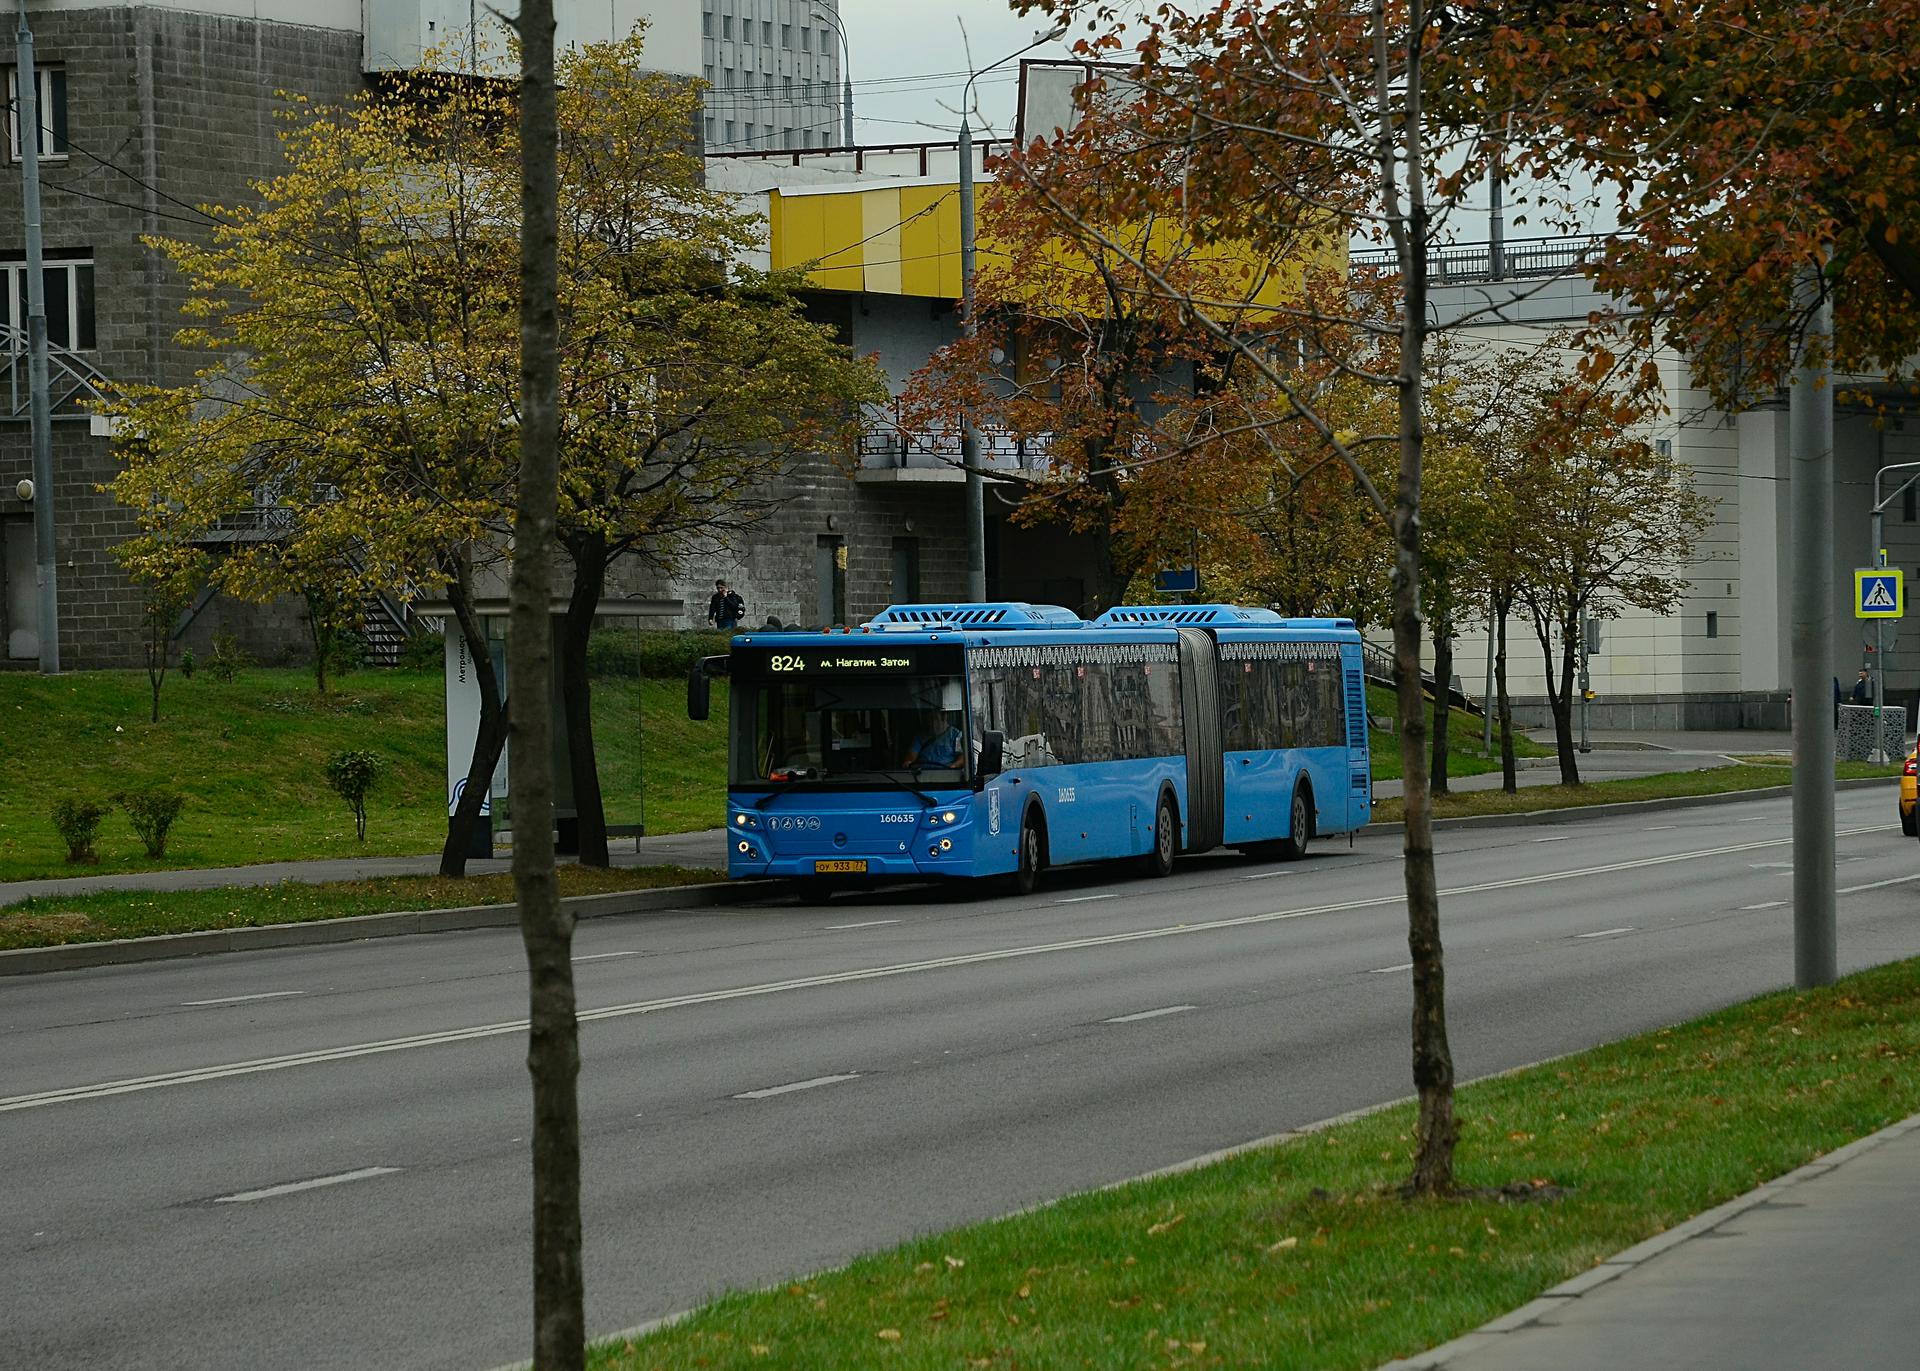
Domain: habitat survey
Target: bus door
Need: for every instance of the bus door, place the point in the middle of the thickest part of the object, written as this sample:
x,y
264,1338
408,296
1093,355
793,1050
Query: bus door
x,y
1200,712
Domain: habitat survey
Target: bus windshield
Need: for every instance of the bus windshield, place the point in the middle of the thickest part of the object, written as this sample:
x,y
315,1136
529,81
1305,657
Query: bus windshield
x,y
882,730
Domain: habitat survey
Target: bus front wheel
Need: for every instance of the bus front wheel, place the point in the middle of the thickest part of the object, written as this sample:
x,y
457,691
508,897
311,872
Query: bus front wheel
x,y
1300,825
1033,857
1166,838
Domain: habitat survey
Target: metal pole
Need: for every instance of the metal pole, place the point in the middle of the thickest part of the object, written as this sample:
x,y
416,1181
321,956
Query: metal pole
x,y
1815,956
1878,753
1586,691
969,438
1486,700
846,72
27,124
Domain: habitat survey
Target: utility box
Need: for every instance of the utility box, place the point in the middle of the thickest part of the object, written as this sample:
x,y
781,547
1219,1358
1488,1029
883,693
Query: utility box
x,y
1857,731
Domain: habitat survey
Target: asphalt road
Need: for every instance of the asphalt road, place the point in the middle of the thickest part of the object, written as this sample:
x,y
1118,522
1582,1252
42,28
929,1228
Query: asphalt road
x,y
317,1157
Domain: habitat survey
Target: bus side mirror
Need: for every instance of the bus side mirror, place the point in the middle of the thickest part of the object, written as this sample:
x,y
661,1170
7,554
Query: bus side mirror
x,y
993,747
699,700
699,697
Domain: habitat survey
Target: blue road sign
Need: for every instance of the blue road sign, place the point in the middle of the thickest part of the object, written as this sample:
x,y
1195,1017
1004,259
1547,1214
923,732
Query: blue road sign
x,y
1878,593
1176,580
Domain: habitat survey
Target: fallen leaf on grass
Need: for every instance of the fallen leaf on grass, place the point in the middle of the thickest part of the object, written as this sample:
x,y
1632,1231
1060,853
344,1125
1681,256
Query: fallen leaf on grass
x,y
956,1261
1167,1224
888,1335
1284,1244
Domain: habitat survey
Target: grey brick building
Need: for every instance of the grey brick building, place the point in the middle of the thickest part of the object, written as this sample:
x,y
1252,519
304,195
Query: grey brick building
x,y
148,113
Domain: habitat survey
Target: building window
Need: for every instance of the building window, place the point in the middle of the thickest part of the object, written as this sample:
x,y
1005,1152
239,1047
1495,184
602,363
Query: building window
x,y
806,39
786,35
729,141
710,130
726,26
766,32
69,287
50,85
1713,624
1908,511
706,26
830,578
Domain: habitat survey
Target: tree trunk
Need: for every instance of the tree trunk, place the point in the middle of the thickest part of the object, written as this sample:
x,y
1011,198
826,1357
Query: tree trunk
x,y
546,926
492,735
318,634
576,694
1442,698
1435,1131
1563,707
1509,768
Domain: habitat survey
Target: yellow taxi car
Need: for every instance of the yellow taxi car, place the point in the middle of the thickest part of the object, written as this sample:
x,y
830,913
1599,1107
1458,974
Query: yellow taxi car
x,y
1909,777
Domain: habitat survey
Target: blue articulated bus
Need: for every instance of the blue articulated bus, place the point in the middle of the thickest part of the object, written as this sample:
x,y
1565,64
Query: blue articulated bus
x,y
996,740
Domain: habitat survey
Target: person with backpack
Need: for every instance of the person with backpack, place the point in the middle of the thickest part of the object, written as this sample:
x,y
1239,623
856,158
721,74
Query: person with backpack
x,y
726,609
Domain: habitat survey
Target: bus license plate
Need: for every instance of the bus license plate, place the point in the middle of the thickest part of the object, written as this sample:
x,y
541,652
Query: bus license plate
x,y
841,864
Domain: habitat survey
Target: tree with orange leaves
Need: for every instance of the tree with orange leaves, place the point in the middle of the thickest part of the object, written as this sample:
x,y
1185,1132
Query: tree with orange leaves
x,y
1142,431
1739,140
1275,125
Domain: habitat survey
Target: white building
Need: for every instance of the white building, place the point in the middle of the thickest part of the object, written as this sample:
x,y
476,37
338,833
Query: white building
x,y
778,75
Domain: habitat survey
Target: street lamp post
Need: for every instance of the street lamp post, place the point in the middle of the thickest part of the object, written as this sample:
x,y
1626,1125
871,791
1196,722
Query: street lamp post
x,y
1880,503
846,75
26,125
969,436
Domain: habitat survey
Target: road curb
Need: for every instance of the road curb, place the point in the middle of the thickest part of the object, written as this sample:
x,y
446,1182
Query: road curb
x,y
1559,1298
1561,815
354,928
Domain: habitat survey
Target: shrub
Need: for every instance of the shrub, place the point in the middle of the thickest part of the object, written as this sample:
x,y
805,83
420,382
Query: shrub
x,y
227,659
655,653
423,652
78,820
187,663
352,774
152,811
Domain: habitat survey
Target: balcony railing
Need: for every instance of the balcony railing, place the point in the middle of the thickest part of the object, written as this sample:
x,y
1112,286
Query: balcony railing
x,y
889,447
1519,259
73,383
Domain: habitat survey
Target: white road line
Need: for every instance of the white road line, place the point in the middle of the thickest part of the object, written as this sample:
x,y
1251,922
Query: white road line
x,y
870,923
1082,899
1603,933
513,1027
1771,866
1765,904
1383,970
242,999
1561,838
797,1085
1761,819
1150,1014
1875,885
319,1182
1265,875
1658,828
603,956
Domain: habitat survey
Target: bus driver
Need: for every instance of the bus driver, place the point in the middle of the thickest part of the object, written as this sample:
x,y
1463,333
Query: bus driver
x,y
939,743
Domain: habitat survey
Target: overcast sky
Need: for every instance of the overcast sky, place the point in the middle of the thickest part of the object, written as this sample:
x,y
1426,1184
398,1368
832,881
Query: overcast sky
x,y
909,65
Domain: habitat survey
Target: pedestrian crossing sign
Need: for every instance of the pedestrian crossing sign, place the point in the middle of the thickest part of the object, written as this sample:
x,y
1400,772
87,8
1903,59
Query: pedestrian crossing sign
x,y
1878,593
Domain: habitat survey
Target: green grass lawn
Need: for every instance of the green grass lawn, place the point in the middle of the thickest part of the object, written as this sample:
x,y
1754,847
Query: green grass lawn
x,y
249,756
55,919
1305,1255
1464,730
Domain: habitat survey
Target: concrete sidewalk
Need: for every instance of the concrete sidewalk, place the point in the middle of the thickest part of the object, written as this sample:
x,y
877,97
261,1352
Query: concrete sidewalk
x,y
1815,1269
1615,756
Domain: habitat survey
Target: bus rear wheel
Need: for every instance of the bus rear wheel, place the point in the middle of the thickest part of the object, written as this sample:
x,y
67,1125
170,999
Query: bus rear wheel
x,y
1166,831
1299,827
1033,857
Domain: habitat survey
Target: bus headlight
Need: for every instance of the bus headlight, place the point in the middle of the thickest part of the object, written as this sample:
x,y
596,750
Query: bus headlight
x,y
746,821
948,817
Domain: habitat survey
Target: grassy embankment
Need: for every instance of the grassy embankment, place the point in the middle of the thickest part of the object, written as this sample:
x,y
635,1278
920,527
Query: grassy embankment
x,y
1305,1255
250,754
1464,757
